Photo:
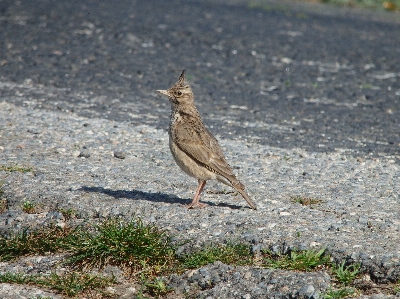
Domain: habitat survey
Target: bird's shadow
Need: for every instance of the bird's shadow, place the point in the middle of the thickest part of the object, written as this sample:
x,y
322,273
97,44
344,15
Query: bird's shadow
x,y
149,196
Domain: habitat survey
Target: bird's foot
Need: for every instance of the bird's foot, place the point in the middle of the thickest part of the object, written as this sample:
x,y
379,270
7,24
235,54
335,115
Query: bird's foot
x,y
196,205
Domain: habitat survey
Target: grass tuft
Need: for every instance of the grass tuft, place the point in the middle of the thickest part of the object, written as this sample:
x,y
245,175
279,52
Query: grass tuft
x,y
70,284
305,260
346,274
68,213
28,207
142,248
339,293
157,287
3,200
305,201
396,289
237,254
15,168
74,283
3,205
40,241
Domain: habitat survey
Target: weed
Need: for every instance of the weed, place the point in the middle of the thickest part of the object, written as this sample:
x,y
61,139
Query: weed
x,y
396,289
40,241
28,207
15,168
68,213
305,260
3,205
11,277
157,287
69,284
339,293
135,245
74,283
346,274
140,295
305,201
238,254
3,201
142,248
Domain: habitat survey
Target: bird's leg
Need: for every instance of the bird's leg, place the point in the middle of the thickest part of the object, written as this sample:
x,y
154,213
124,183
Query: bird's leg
x,y
196,198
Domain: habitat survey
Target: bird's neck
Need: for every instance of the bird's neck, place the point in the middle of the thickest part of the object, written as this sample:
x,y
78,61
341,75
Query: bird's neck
x,y
180,112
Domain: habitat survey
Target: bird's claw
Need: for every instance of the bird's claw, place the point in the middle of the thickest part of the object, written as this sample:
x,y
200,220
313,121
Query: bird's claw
x,y
196,205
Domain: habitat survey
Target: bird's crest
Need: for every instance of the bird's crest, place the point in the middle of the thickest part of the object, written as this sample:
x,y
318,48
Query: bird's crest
x,y
181,80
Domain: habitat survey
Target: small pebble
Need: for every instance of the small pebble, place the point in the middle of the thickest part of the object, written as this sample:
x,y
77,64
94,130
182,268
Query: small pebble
x,y
84,154
34,131
119,154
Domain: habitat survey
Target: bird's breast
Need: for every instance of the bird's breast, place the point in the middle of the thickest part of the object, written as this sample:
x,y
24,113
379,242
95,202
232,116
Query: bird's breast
x,y
174,118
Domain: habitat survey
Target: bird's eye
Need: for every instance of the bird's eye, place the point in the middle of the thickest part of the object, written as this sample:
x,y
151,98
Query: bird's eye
x,y
179,93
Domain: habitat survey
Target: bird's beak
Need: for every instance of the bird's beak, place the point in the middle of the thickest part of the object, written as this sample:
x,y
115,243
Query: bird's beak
x,y
164,92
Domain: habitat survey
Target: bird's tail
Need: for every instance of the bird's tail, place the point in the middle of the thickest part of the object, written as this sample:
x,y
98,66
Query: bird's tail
x,y
240,188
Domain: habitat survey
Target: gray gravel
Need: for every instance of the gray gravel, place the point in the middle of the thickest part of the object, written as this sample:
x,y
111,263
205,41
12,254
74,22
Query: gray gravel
x,y
310,76
358,219
223,281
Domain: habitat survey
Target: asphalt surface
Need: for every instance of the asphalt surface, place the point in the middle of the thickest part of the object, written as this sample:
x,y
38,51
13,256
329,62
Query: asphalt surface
x,y
319,79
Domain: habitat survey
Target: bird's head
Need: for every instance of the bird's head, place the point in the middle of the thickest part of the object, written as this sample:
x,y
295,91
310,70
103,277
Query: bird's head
x,y
179,93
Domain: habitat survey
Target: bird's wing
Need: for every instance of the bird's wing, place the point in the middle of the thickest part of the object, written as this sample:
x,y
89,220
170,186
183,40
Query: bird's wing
x,y
202,146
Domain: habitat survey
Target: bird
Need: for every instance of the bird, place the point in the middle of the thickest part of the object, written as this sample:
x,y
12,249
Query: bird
x,y
193,147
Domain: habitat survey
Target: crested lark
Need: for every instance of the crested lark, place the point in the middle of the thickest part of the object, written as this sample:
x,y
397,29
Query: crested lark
x,y
193,147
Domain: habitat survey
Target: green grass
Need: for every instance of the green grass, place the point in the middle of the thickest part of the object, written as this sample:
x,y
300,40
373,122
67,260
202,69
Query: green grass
x,y
3,200
396,289
15,168
157,287
231,253
305,201
68,213
70,284
142,248
146,253
346,274
338,293
3,205
28,207
43,241
305,260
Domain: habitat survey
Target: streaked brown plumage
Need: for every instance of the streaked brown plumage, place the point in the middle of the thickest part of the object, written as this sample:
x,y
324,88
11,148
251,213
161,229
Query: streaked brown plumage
x,y
193,147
